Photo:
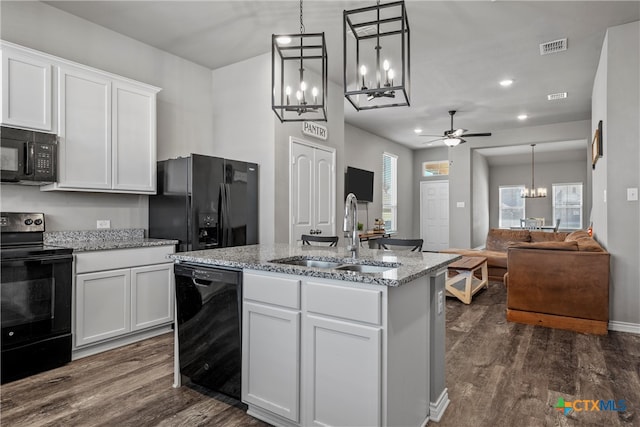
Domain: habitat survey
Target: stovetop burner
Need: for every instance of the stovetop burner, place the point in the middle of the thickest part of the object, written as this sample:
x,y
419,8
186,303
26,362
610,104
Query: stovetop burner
x,y
22,237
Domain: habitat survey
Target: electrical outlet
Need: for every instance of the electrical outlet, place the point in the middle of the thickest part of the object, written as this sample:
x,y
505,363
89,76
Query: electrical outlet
x,y
103,223
440,302
632,194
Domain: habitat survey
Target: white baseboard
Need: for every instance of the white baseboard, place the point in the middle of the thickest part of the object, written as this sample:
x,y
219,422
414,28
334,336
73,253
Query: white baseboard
x,y
437,408
632,328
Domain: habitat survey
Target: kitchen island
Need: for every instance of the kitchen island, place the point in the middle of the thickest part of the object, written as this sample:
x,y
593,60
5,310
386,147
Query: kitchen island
x,y
331,340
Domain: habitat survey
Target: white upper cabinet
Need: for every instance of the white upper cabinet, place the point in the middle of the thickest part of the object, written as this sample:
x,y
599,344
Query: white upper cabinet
x,y
106,123
134,138
84,146
26,90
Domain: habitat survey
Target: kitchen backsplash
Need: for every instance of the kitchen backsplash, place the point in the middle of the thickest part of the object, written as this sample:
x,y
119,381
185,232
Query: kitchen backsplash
x,y
62,237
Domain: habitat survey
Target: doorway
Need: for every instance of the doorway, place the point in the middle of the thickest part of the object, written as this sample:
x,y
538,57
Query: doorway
x,y
312,189
434,215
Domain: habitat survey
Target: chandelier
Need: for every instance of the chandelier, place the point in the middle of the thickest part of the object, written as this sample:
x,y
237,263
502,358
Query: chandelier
x,y
376,56
533,193
299,76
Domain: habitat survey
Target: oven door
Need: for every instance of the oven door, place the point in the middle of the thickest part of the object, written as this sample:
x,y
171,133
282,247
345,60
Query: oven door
x,y
36,299
11,160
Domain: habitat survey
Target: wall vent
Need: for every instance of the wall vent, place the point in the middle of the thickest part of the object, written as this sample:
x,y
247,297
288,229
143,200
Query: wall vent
x,y
555,96
553,47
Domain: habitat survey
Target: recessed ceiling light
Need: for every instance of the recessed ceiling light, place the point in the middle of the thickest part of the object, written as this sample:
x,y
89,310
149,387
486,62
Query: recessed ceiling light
x,y
283,40
506,83
522,117
417,130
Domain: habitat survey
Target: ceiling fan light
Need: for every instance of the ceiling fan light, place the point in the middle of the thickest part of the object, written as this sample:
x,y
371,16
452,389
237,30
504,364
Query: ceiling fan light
x,y
452,142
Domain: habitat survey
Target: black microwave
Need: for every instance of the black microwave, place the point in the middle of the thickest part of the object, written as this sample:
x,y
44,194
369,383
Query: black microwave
x,y
28,157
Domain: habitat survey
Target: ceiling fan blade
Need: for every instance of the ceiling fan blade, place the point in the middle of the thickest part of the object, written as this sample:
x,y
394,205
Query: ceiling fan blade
x,y
439,136
476,134
433,140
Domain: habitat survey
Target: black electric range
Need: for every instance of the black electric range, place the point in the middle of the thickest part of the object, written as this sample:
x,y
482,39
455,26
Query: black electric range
x,y
35,291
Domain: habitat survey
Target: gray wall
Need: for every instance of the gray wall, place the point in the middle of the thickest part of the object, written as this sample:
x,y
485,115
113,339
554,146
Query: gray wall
x,y
184,106
546,173
335,125
461,172
616,221
481,200
364,150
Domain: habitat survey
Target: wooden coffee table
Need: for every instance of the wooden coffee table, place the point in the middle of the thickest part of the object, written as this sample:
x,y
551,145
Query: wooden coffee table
x,y
465,285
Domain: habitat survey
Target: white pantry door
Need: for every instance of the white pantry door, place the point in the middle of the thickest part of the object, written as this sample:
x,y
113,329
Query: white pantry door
x,y
434,215
312,190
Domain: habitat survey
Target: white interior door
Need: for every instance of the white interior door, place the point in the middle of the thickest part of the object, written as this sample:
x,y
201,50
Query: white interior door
x,y
311,190
434,215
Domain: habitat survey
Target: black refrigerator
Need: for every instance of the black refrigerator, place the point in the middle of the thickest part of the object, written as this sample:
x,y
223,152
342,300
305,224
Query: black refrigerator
x,y
205,202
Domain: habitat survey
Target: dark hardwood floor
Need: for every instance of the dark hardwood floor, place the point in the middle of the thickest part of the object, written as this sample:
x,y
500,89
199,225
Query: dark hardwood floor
x,y
498,374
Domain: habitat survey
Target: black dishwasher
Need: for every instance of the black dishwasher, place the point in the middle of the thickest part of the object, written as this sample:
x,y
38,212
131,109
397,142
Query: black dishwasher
x,y
209,302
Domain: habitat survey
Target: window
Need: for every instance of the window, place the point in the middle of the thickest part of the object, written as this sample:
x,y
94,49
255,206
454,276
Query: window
x,y
567,205
440,167
390,191
511,206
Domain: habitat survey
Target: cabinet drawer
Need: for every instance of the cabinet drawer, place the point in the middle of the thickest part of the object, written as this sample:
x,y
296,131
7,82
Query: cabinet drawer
x,y
363,305
272,289
121,258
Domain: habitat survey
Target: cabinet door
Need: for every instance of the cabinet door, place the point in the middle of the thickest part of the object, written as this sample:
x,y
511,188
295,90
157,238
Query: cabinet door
x,y
85,130
152,296
134,139
271,359
26,90
102,305
343,373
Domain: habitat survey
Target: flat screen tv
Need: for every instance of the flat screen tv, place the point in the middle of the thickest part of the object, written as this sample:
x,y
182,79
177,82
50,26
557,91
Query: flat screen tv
x,y
360,183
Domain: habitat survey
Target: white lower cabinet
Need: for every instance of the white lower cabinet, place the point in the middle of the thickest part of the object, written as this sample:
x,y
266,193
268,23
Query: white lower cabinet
x,y
121,296
343,373
271,343
103,305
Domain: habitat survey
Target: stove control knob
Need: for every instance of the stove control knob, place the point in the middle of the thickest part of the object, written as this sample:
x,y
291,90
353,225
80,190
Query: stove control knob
x,y
11,333
28,221
37,221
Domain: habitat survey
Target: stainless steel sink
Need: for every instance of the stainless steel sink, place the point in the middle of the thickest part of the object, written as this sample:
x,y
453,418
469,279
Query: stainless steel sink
x,y
336,264
363,268
308,263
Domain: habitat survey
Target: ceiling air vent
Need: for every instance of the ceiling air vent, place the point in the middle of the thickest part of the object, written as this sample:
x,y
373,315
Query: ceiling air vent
x,y
555,96
553,47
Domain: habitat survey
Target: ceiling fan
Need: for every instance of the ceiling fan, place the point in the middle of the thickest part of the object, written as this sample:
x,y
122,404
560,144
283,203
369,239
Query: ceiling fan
x,y
453,137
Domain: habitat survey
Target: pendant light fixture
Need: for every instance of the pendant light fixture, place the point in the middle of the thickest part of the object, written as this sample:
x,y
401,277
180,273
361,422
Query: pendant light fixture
x,y
533,193
299,76
376,56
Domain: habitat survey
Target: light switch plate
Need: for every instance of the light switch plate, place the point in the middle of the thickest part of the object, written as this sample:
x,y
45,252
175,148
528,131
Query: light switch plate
x,y
460,204
103,223
632,194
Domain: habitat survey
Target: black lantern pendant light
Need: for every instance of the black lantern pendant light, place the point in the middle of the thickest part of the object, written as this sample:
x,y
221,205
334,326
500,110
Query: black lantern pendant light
x,y
299,76
533,193
376,56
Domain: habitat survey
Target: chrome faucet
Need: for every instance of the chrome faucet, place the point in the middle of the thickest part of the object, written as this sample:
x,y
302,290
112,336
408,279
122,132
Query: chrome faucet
x,y
351,224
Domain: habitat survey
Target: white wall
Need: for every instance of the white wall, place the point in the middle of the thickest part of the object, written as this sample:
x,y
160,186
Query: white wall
x,y
184,106
244,126
364,150
616,101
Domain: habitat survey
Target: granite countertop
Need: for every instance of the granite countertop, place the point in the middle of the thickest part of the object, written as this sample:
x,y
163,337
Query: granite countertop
x,y
100,240
410,265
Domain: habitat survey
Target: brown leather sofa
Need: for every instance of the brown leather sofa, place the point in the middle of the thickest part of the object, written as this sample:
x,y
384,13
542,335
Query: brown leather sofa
x,y
562,285
498,241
